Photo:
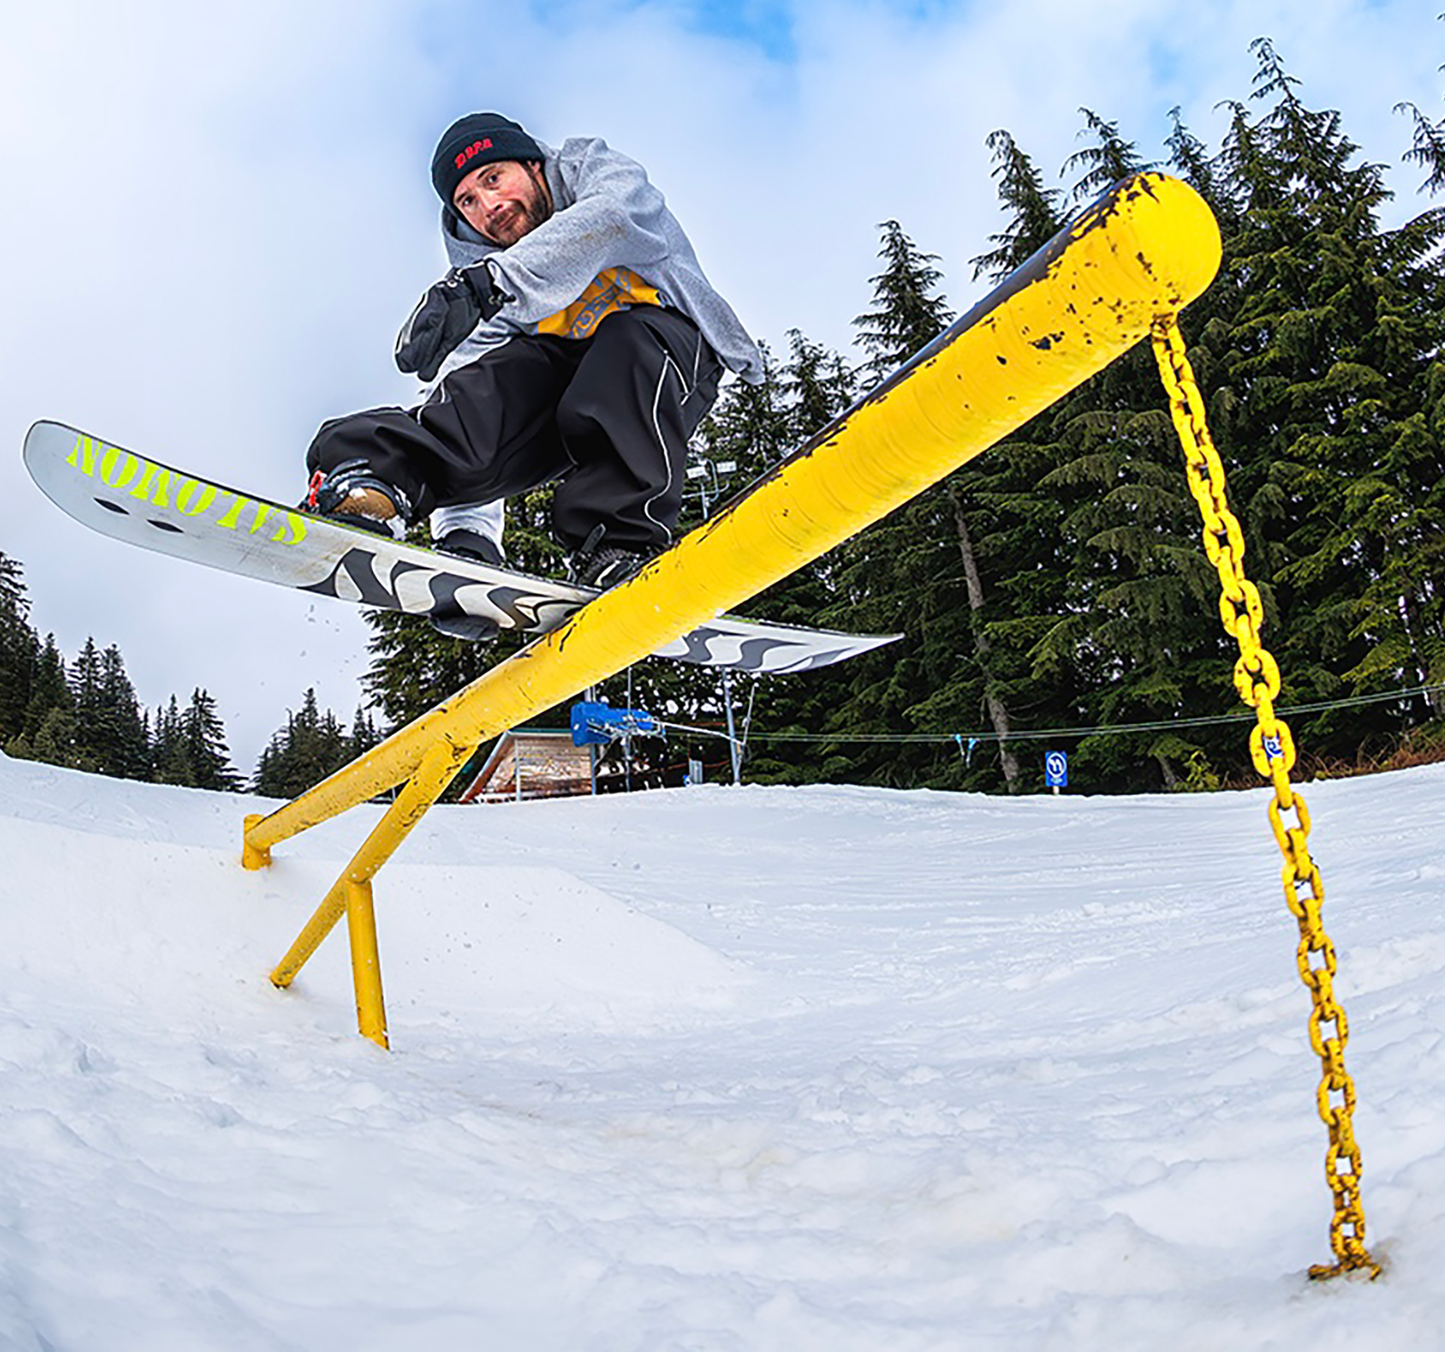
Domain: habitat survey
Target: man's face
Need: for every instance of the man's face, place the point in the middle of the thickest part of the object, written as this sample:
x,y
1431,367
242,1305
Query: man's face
x,y
504,201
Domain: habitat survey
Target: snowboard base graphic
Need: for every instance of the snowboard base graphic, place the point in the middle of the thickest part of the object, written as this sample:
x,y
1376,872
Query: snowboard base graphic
x,y
143,502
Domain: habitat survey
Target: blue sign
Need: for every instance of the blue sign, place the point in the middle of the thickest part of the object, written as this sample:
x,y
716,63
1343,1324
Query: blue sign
x,y
1056,770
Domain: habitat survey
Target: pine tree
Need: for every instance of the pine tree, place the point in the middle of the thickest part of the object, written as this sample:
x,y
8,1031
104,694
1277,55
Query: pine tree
x,y
816,386
19,650
758,426
170,748
48,731
1059,579
1332,387
748,430
1033,210
1129,640
1428,149
1190,159
54,741
104,718
88,702
1000,523
127,746
896,575
49,693
907,314
1104,164
310,747
91,747
204,737
364,735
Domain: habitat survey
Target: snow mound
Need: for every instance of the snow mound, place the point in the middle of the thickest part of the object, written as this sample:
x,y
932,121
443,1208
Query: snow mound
x,y
109,903
715,1069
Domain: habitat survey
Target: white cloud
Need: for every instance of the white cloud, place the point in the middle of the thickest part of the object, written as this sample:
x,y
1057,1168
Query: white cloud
x,y
217,215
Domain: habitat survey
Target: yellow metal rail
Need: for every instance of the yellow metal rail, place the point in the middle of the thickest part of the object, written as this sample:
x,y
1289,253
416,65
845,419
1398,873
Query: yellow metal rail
x,y
1147,248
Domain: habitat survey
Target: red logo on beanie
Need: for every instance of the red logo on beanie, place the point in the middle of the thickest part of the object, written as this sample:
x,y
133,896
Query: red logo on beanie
x,y
472,150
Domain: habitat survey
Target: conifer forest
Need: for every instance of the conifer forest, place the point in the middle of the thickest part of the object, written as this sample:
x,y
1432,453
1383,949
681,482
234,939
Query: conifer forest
x,y
1054,592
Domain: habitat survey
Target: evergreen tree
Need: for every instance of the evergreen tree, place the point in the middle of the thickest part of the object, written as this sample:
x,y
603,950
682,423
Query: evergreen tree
x,y
907,314
119,740
1116,625
85,718
19,650
54,741
364,735
1428,149
1059,579
1004,529
49,692
310,747
1332,384
170,747
87,701
816,386
204,738
1105,163
757,427
897,574
48,731
1033,210
1190,159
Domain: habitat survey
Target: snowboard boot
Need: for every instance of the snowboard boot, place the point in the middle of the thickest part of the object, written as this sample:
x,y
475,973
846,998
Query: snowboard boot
x,y
469,628
473,545
601,565
475,548
353,496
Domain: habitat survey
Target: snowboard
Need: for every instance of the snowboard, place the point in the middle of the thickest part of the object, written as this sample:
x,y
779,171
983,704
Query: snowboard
x,y
142,502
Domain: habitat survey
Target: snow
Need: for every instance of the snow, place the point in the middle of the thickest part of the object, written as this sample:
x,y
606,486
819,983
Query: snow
x,y
715,1069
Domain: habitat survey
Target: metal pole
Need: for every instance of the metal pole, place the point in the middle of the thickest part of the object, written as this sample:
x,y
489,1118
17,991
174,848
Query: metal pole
x,y
365,962
591,696
732,730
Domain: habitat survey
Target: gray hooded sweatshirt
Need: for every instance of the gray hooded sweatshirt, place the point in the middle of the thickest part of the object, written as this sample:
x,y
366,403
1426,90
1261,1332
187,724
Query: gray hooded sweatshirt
x,y
610,243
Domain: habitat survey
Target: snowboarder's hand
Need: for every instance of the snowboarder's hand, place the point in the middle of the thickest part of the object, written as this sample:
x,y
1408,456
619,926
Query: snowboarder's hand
x,y
445,316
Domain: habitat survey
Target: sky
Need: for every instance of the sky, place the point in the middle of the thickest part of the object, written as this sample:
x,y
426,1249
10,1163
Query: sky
x,y
217,216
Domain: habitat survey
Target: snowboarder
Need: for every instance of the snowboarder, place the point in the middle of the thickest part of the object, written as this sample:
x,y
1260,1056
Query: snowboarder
x,y
576,338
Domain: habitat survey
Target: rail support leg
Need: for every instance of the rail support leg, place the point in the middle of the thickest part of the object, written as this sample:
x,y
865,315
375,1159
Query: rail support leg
x,y
333,905
350,895
253,856
365,963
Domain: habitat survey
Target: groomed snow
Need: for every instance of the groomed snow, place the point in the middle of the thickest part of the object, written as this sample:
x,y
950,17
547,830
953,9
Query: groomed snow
x,y
715,1069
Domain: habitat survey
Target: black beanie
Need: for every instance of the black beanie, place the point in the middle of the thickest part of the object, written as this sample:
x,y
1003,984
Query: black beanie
x,y
475,140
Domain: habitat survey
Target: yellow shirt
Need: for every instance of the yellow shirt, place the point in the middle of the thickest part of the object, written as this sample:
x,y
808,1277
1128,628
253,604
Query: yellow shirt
x,y
612,290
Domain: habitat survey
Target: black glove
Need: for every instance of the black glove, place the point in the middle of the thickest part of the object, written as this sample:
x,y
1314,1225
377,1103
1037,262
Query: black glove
x,y
446,315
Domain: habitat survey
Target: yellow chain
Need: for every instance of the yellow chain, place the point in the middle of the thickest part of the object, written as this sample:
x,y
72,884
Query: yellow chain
x,y
1257,678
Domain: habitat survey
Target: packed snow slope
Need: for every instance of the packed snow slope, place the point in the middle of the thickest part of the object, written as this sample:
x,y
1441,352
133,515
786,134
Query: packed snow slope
x,y
715,1069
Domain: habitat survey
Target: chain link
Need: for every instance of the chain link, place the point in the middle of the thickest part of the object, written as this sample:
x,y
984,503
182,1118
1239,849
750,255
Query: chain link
x,y
1271,747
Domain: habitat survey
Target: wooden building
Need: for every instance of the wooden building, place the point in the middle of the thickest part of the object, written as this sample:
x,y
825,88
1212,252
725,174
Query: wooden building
x,y
530,764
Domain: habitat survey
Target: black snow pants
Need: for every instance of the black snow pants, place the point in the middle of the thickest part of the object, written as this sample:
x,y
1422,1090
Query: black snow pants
x,y
609,416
